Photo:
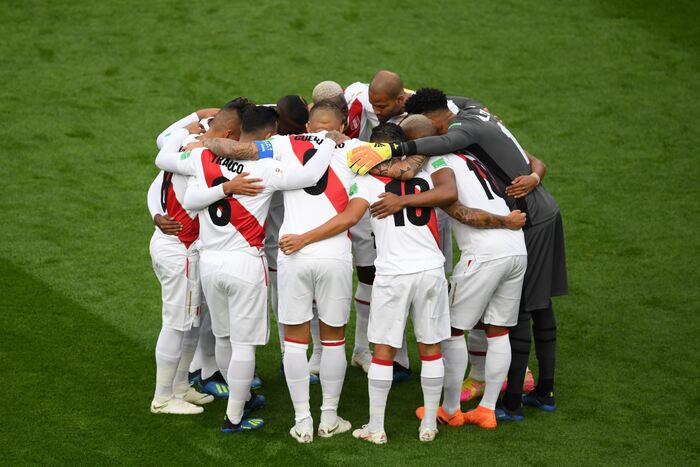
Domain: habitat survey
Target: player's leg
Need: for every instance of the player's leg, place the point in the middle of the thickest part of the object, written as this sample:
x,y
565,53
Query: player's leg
x,y
295,281
473,386
315,360
544,329
454,354
246,285
333,294
361,355
211,380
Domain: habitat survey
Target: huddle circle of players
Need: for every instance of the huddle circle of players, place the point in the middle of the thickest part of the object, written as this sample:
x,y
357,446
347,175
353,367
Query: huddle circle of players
x,y
290,197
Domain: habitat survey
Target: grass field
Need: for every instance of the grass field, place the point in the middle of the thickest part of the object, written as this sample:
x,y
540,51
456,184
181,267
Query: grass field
x,y
605,92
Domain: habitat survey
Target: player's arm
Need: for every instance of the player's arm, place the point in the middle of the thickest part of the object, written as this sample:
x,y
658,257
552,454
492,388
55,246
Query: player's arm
x,y
225,147
170,159
402,169
521,186
165,223
293,178
198,198
444,193
481,219
190,119
341,222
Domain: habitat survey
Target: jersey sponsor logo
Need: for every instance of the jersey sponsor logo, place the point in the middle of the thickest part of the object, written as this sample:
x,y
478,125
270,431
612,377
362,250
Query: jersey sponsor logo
x,y
185,155
439,163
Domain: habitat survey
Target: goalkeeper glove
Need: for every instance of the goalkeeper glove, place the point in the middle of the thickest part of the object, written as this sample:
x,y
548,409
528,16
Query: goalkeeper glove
x,y
362,158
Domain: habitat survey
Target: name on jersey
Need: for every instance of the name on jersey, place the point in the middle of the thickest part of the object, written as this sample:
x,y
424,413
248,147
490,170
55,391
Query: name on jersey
x,y
312,138
232,165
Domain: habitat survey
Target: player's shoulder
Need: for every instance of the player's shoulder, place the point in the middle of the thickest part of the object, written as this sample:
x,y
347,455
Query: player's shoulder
x,y
435,163
355,90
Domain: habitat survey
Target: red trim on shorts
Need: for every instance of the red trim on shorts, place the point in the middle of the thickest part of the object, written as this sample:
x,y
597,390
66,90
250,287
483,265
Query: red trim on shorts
x,y
478,354
430,358
498,334
361,301
294,341
332,343
262,258
379,361
456,332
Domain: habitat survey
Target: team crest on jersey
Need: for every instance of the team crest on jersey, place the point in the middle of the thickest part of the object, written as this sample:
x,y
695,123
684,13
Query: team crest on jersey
x,y
355,123
278,172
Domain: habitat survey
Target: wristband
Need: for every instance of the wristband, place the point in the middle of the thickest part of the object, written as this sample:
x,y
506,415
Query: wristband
x,y
264,149
534,174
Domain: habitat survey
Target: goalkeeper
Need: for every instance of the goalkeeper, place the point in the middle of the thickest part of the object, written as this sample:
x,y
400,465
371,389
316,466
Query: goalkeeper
x,y
518,177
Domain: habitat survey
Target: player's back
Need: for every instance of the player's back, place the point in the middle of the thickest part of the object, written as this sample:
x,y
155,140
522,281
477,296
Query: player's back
x,y
496,147
307,208
235,222
475,189
407,241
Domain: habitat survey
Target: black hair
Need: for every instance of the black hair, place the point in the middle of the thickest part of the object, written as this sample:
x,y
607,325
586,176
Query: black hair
x,y
330,106
388,133
293,115
241,104
426,100
258,118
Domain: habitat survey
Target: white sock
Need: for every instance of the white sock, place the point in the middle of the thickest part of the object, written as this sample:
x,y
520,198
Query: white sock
x,y
332,375
363,295
454,354
205,356
273,304
401,356
432,373
497,364
296,371
223,355
181,382
476,343
240,374
379,378
168,350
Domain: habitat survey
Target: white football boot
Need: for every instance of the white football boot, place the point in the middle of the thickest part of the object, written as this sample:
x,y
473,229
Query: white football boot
x,y
195,397
376,437
341,426
304,433
426,435
175,406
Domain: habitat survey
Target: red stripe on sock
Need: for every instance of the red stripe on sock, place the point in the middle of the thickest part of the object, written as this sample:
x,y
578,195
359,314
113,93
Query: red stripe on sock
x,y
478,354
456,332
271,269
294,341
498,334
361,301
430,358
332,343
379,361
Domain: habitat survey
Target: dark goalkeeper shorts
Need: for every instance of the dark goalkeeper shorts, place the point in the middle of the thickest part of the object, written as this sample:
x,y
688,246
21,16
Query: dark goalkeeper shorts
x,y
545,276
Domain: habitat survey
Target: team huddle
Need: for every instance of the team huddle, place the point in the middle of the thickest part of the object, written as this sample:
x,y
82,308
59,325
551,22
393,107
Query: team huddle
x,y
292,197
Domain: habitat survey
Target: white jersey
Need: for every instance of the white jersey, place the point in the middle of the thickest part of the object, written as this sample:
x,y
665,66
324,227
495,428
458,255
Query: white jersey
x,y
361,116
407,241
311,207
476,190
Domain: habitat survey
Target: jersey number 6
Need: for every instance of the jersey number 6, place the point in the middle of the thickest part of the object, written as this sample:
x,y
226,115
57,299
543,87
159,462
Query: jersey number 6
x,y
220,212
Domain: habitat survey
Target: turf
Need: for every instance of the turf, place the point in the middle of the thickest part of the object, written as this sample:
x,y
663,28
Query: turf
x,y
604,92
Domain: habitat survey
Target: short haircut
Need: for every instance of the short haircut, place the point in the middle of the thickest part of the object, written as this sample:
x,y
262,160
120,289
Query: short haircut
x,y
328,106
387,133
426,100
259,118
229,117
239,104
417,126
293,115
326,90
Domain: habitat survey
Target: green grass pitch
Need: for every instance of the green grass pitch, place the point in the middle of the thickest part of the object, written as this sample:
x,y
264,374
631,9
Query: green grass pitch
x,y
605,92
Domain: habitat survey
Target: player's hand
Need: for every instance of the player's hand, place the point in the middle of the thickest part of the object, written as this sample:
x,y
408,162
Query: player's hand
x,y
522,185
516,220
192,145
291,243
388,204
206,113
240,185
336,136
195,128
167,224
362,158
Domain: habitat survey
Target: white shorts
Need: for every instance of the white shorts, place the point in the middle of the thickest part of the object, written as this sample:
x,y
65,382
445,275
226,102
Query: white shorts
x,y
423,293
488,291
364,251
235,286
327,281
445,238
176,268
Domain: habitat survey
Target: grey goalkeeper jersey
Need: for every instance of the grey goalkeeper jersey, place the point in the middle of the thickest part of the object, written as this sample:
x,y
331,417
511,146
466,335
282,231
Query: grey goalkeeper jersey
x,y
477,132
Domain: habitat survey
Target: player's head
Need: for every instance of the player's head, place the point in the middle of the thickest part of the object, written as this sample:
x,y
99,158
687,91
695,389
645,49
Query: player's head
x,y
432,103
325,115
331,91
258,122
418,126
387,133
293,115
386,94
227,122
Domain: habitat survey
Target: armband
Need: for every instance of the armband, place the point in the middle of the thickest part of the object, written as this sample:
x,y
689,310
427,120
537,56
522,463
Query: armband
x,y
264,149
